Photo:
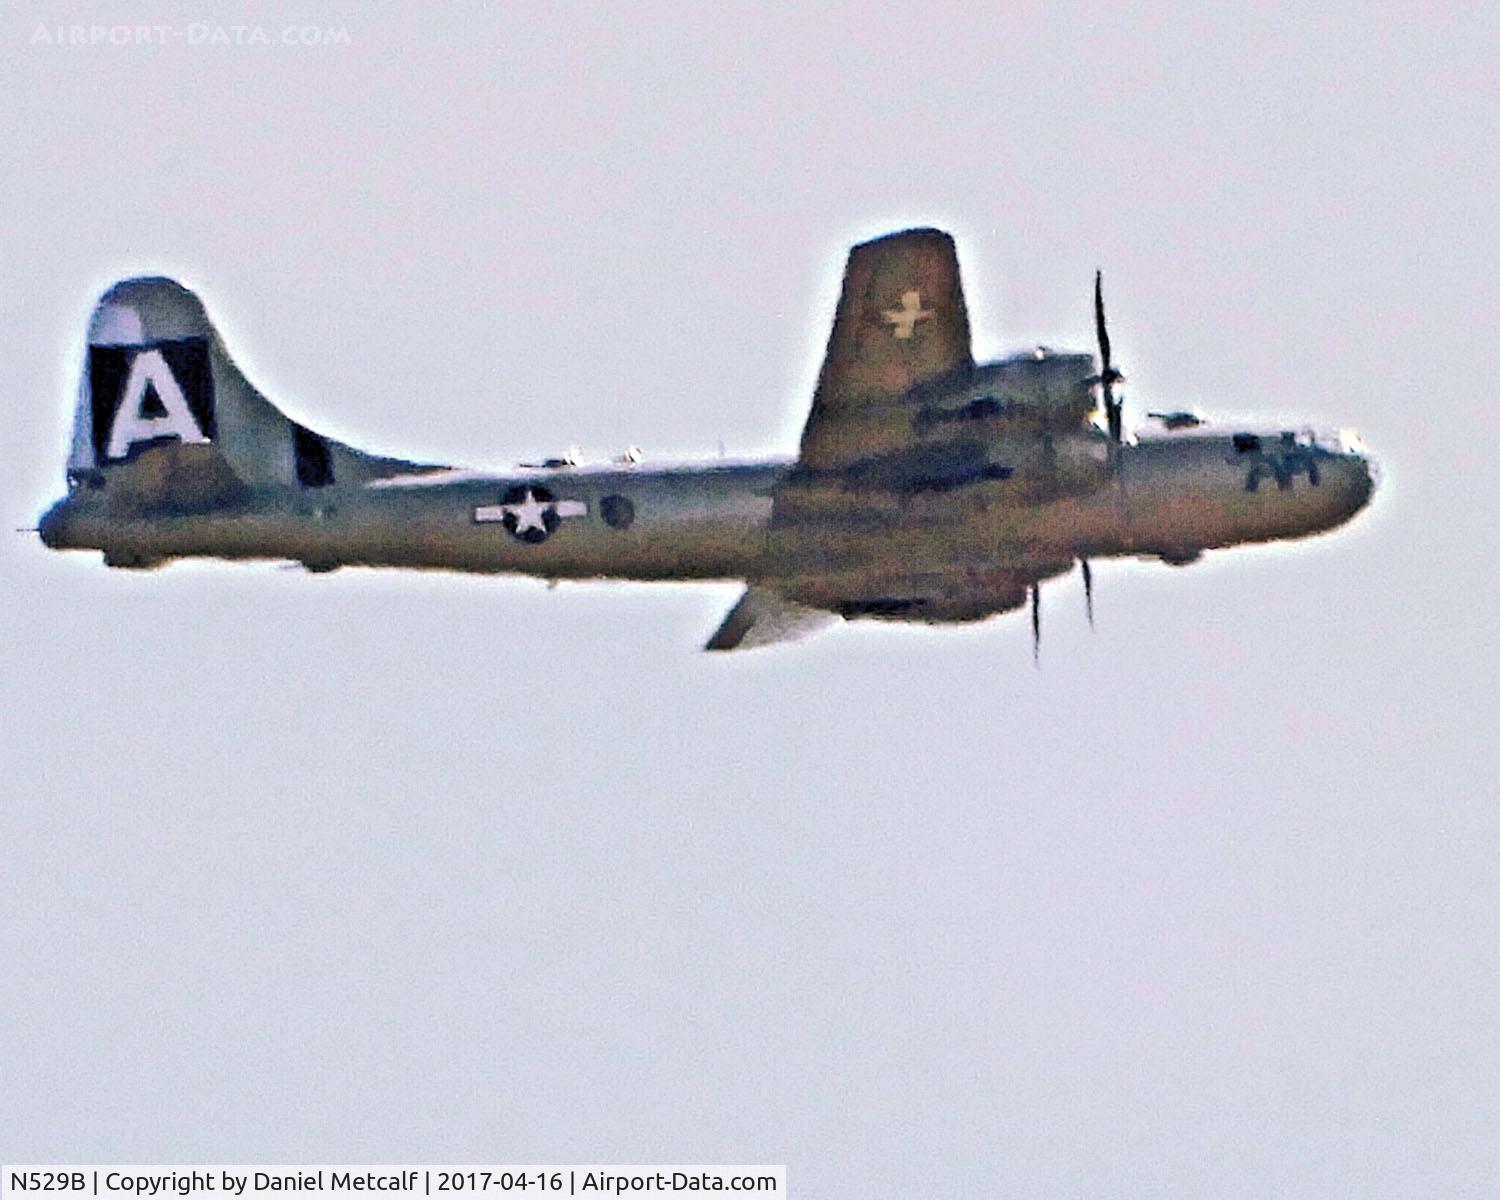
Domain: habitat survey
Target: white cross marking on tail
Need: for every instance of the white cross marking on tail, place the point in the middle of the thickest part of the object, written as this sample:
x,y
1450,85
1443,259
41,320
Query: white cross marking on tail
x,y
903,320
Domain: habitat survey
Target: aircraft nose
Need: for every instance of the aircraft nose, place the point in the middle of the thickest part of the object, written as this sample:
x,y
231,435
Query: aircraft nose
x,y
1352,446
1358,476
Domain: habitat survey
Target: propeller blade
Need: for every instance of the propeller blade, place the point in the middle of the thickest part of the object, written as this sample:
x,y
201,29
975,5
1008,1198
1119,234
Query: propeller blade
x,y
1107,373
1088,590
1099,324
1036,624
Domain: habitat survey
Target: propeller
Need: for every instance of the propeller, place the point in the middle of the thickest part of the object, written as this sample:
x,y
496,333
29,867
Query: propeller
x,y
1108,376
1036,609
1036,624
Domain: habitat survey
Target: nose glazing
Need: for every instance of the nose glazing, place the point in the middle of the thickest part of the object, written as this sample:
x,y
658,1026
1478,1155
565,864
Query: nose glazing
x,y
1358,476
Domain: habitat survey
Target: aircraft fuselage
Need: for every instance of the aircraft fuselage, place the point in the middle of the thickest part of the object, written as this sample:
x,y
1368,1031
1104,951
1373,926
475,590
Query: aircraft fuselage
x,y
1171,497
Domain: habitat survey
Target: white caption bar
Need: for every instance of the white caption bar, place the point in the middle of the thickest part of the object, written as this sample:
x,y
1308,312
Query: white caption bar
x,y
444,1182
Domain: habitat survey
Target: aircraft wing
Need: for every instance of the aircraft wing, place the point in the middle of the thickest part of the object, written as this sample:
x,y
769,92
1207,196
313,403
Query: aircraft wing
x,y
794,607
900,322
762,617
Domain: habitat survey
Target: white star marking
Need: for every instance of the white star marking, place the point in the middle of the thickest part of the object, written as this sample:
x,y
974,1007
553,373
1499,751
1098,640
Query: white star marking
x,y
528,513
903,320
531,512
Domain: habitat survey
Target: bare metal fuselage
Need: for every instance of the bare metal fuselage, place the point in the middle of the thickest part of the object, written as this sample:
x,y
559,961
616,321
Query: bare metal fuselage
x,y
1171,497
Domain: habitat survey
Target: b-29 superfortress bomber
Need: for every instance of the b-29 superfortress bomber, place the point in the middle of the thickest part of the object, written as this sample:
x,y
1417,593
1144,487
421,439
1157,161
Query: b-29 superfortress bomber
x,y
927,488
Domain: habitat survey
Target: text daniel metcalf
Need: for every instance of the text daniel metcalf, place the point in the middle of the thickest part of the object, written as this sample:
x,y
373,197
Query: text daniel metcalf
x,y
186,1183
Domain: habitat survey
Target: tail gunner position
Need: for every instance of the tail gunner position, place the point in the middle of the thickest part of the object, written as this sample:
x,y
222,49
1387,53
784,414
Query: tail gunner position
x,y
928,487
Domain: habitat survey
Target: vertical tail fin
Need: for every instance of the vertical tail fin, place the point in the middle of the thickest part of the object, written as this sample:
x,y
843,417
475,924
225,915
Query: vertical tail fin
x,y
160,388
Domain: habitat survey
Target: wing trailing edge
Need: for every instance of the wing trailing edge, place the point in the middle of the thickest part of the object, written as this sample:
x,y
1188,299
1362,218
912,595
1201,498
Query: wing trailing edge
x,y
763,617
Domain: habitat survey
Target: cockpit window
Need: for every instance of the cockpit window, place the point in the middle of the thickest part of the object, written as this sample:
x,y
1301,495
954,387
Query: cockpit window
x,y
1246,443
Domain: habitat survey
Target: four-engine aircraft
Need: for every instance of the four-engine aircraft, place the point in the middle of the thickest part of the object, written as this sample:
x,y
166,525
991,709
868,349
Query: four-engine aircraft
x,y
927,488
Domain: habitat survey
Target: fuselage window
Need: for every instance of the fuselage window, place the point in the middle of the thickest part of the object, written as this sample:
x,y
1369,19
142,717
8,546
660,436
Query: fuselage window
x,y
618,512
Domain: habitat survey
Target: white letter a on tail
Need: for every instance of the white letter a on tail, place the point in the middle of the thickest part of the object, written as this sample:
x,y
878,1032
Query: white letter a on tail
x,y
171,416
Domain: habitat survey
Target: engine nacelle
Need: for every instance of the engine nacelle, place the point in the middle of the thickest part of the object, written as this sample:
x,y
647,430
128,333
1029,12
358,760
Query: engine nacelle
x,y
1043,390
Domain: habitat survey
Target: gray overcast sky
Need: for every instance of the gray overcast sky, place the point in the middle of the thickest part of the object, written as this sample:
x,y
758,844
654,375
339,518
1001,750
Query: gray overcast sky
x,y
379,867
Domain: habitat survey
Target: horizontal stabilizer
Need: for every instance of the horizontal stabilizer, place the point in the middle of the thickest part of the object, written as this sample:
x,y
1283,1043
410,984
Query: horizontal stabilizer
x,y
762,617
